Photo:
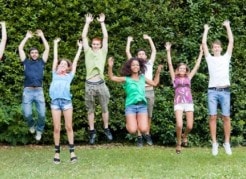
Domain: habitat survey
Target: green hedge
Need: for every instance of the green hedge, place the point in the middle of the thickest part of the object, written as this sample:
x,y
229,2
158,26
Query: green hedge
x,y
180,22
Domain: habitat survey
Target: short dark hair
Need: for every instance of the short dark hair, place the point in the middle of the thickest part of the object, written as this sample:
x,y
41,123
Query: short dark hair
x,y
32,48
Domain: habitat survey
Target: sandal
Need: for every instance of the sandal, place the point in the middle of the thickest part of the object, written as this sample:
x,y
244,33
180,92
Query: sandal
x,y
178,149
184,141
57,151
73,157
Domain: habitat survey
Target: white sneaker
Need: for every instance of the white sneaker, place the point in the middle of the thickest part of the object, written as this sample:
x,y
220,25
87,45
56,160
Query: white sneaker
x,y
227,148
32,129
215,147
38,135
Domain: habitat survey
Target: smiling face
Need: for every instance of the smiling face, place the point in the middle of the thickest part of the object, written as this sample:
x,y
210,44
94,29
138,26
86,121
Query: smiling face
x,y
135,67
34,54
182,69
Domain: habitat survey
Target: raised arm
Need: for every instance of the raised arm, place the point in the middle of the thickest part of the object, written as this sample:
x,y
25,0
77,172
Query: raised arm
x,y
204,40
101,19
4,39
76,58
128,45
22,44
169,60
226,23
111,74
88,20
46,45
55,60
194,70
152,46
156,80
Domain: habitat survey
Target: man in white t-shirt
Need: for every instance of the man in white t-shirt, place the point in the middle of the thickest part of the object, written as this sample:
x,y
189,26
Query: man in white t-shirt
x,y
149,90
219,86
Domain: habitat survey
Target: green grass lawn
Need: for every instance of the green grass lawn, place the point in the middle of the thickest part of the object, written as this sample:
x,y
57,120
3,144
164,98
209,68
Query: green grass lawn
x,y
119,161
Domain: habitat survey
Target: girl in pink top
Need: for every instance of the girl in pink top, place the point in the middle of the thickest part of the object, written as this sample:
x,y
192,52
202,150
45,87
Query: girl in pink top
x,y
181,79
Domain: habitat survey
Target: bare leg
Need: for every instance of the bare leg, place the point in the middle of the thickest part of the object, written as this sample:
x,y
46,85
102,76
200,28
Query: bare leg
x,y
227,128
189,125
105,119
68,116
56,115
213,126
142,122
91,121
131,123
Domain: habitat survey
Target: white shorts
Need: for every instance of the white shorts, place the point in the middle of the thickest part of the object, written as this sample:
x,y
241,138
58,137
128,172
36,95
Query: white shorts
x,y
184,107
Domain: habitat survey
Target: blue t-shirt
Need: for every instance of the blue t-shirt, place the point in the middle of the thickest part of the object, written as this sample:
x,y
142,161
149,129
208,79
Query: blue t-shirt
x,y
33,72
60,86
135,90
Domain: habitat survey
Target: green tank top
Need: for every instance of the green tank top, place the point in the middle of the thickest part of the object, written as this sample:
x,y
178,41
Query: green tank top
x,y
135,90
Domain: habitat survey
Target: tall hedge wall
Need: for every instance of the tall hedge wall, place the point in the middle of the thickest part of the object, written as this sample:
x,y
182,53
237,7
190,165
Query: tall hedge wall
x,y
178,21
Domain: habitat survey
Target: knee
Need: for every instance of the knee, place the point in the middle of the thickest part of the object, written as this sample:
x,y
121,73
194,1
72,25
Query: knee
x,y
179,126
131,130
69,128
189,127
213,117
57,130
144,129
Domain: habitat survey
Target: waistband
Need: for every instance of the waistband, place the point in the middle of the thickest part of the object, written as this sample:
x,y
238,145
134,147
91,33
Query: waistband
x,y
94,83
220,89
34,87
149,88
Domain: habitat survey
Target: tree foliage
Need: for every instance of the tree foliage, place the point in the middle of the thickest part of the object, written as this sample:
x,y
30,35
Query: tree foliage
x,y
180,22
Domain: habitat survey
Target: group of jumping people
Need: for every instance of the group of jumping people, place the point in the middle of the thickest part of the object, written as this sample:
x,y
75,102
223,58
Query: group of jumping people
x,y
138,83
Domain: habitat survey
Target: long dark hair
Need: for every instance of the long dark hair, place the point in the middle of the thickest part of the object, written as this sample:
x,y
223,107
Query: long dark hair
x,y
126,69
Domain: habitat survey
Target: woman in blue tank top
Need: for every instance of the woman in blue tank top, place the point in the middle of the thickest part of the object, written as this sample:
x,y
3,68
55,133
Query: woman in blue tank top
x,y
62,74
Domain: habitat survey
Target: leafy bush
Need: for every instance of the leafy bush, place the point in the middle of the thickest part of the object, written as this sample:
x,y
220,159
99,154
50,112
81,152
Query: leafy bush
x,y
180,22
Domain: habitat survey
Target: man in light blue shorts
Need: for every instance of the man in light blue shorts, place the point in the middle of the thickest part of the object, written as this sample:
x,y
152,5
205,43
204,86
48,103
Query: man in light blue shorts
x,y
219,86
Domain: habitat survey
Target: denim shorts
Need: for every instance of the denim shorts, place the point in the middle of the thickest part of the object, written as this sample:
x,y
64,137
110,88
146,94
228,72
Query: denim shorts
x,y
221,97
61,104
136,108
184,107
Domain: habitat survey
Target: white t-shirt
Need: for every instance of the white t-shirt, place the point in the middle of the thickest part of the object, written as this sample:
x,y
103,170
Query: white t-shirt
x,y
149,70
218,68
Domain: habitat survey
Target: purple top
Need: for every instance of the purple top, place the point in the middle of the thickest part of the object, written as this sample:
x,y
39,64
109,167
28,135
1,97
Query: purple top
x,y
182,86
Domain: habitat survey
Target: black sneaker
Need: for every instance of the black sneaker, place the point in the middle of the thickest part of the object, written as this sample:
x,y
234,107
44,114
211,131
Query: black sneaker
x,y
92,137
108,134
148,139
140,141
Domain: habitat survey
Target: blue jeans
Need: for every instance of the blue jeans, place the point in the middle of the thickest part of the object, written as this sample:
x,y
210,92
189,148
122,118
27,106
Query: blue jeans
x,y
221,97
34,96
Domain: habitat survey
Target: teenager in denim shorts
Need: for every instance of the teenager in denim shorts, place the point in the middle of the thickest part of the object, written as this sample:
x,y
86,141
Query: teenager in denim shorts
x,y
149,90
134,86
219,86
61,99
